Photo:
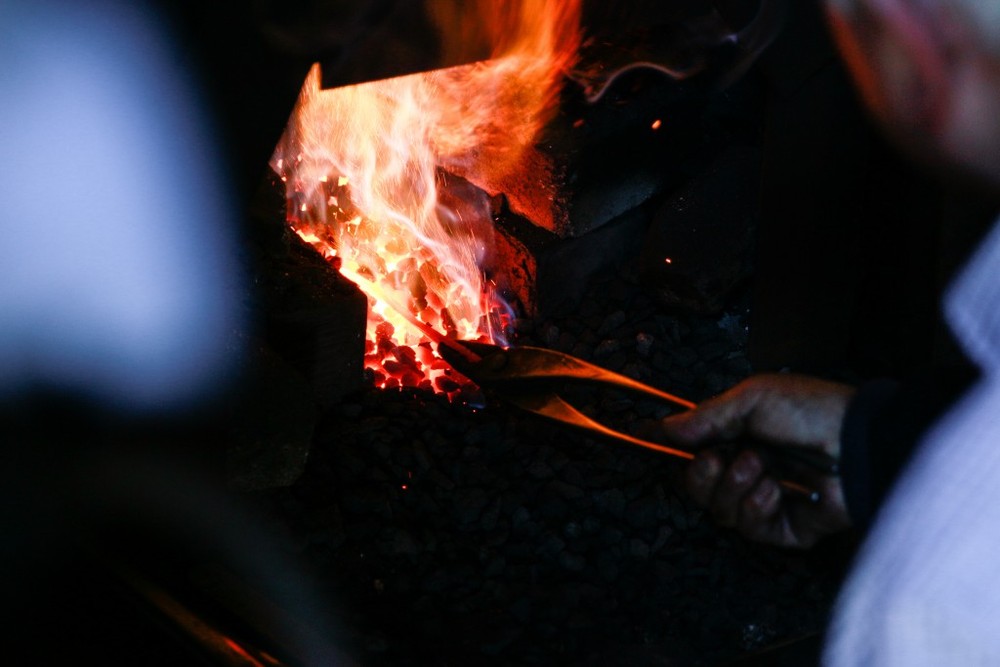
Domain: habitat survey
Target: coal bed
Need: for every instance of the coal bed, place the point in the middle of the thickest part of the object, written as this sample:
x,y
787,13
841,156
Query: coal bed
x,y
447,533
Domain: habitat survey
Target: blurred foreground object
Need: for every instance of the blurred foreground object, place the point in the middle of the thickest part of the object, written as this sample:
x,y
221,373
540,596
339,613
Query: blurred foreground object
x,y
116,266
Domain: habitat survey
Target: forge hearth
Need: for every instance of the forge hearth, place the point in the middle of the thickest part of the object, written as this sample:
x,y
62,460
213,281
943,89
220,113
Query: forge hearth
x,y
450,531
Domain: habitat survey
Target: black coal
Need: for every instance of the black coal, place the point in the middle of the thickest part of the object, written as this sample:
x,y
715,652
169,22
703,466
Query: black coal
x,y
450,534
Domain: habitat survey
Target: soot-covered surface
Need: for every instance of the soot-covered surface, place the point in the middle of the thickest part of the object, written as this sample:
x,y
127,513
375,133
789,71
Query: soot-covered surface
x,y
447,534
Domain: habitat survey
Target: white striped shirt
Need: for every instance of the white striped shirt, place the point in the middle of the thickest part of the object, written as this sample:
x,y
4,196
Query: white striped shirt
x,y
925,589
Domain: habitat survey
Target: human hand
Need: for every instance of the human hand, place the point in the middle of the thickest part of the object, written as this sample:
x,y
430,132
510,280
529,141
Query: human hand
x,y
787,410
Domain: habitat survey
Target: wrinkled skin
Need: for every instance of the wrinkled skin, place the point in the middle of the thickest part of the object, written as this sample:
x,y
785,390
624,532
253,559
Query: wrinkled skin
x,y
741,491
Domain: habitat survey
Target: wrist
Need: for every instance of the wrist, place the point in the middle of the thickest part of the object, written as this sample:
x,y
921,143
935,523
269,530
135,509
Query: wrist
x,y
856,474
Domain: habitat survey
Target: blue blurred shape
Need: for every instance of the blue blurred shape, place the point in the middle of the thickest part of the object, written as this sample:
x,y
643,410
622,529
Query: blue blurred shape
x,y
118,271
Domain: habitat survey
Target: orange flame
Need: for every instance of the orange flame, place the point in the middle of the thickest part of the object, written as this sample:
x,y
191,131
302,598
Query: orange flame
x,y
364,167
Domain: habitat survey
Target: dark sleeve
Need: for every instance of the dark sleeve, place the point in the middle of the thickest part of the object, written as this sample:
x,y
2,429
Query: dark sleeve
x,y
883,425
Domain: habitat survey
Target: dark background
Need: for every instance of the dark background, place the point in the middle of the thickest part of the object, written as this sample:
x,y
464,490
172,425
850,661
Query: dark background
x,y
854,247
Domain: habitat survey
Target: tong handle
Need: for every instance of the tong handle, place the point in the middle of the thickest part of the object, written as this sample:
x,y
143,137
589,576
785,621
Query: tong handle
x,y
815,459
555,407
517,365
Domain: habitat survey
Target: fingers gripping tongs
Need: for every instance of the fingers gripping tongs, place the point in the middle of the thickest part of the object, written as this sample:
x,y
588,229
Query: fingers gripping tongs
x,y
529,378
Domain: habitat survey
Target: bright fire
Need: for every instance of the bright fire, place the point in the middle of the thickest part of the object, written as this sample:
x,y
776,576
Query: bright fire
x,y
366,169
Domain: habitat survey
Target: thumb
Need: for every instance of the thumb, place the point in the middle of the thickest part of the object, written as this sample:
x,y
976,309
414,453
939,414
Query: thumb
x,y
687,428
721,418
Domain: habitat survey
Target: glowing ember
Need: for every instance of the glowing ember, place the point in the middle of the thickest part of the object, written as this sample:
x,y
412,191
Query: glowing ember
x,y
364,168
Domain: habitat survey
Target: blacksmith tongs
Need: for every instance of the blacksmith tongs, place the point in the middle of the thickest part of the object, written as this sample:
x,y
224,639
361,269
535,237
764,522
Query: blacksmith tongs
x,y
529,377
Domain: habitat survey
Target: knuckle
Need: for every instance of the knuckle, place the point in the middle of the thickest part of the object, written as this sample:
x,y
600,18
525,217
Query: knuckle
x,y
766,498
701,478
744,472
758,509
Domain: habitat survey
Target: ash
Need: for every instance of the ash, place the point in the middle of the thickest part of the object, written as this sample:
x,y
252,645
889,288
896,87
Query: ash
x,y
447,534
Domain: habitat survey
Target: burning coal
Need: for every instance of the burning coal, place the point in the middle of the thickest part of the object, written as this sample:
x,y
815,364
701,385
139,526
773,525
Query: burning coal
x,y
364,167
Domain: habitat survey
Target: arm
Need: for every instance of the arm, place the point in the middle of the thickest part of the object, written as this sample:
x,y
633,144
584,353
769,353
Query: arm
x,y
883,425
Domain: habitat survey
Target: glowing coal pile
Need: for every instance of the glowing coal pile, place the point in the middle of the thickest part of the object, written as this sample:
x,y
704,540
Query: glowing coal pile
x,y
365,165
